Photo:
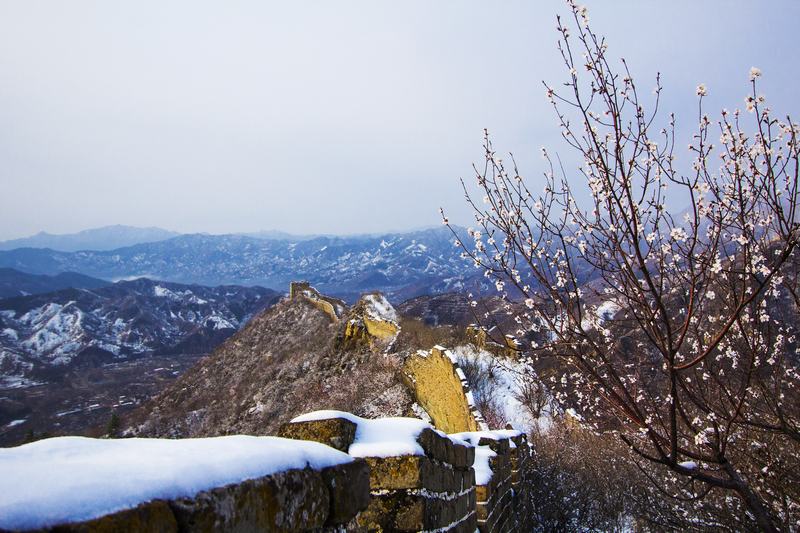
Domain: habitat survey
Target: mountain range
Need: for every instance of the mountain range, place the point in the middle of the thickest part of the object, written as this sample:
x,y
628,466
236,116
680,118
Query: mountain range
x,y
42,334
401,265
105,238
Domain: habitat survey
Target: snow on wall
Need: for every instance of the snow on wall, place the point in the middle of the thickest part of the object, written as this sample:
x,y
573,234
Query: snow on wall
x,y
69,479
378,308
381,437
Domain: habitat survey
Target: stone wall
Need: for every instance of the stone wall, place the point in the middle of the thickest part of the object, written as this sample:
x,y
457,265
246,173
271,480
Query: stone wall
x,y
432,490
510,346
440,387
333,307
293,500
437,491
502,500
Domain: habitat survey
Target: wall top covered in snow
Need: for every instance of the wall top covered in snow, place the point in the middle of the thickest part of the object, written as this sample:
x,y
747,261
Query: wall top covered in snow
x,y
423,479
75,479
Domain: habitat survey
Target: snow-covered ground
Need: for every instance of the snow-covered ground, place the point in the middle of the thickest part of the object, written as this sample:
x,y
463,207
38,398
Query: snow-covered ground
x,y
70,479
506,384
379,308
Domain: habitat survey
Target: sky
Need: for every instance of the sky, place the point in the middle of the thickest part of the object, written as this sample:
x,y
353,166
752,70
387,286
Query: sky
x,y
320,116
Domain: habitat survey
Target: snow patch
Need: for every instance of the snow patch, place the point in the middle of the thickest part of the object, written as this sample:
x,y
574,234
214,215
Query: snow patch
x,y
508,379
607,310
379,308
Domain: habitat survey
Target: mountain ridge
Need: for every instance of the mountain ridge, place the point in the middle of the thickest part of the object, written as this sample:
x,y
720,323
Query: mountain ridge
x,y
101,238
17,283
402,265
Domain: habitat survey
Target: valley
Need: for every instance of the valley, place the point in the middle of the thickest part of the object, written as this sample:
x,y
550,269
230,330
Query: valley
x,y
83,400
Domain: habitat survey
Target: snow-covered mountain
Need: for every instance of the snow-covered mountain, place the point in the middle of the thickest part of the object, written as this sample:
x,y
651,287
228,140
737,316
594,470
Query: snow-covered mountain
x,y
40,335
105,238
400,265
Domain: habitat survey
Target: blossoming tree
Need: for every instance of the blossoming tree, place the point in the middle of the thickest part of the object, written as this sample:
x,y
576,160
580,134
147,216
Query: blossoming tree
x,y
678,333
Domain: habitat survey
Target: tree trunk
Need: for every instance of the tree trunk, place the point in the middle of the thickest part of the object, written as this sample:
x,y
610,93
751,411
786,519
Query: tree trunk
x,y
763,516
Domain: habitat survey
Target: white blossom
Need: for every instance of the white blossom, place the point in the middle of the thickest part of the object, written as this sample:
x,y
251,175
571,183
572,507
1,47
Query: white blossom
x,y
701,90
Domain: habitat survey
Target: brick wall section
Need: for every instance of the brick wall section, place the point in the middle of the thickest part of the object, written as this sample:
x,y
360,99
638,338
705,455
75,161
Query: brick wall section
x,y
441,388
436,491
293,500
430,492
502,503
333,307
479,337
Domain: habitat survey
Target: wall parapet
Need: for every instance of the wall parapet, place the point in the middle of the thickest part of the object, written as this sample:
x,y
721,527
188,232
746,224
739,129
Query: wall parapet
x,y
441,388
333,307
397,474
456,482
235,483
501,462
479,336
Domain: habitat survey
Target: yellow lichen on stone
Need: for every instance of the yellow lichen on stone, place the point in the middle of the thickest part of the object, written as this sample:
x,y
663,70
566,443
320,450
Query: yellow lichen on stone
x,y
433,378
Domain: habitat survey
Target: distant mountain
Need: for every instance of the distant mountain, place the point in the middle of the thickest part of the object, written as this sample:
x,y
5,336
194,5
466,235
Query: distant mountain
x,y
401,265
105,238
39,335
276,235
16,283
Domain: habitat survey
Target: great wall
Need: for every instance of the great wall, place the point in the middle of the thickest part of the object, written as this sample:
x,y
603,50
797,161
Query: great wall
x,y
451,475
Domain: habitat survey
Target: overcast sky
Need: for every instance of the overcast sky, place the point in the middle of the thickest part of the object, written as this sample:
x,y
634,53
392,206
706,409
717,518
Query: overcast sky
x,y
321,117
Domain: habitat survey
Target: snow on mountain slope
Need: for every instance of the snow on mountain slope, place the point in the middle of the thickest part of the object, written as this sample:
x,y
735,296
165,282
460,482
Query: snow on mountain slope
x,y
123,320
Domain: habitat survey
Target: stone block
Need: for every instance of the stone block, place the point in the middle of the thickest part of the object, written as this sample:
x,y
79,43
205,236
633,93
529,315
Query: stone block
x,y
469,525
483,492
348,488
462,456
433,444
397,511
404,472
337,433
287,501
499,446
150,517
483,511
470,456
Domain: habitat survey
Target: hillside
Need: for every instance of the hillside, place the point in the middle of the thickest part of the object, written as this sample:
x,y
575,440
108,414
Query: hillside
x,y
40,333
289,360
